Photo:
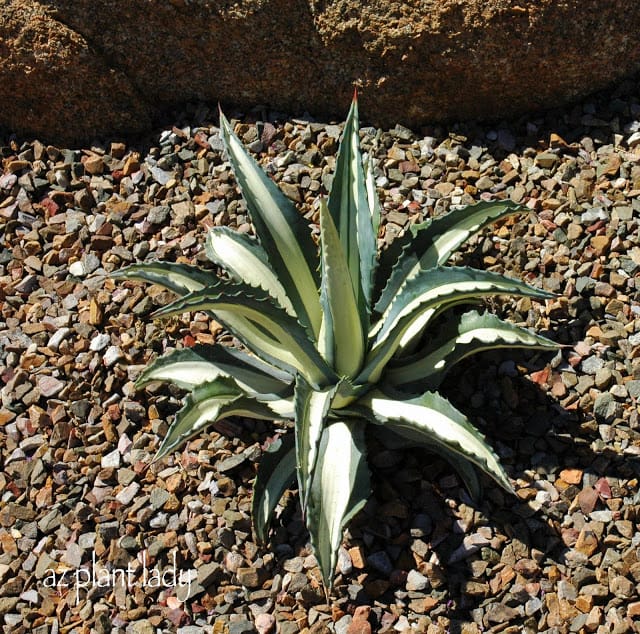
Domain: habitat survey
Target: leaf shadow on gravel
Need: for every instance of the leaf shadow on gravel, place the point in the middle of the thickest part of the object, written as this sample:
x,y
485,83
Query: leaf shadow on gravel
x,y
431,549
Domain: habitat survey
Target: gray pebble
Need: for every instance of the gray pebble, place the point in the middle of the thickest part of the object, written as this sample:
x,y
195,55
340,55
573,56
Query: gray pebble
x,y
592,364
345,565
159,214
567,590
342,625
241,627
633,387
230,463
416,582
160,176
532,606
158,497
605,407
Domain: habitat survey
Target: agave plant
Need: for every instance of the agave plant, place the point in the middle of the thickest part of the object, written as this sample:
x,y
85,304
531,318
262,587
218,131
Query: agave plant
x,y
336,338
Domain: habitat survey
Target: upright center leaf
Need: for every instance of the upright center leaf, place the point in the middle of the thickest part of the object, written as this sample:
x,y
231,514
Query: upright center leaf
x,y
346,337
351,213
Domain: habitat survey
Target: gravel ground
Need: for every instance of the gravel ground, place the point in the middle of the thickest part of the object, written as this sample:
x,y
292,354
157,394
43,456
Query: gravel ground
x,y
94,539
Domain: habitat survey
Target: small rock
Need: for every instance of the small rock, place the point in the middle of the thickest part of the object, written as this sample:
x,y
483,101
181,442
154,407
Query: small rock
x,y
265,623
621,587
594,619
594,590
159,214
160,176
230,463
633,388
57,338
111,460
126,495
532,606
112,355
592,364
289,627
484,183
158,498
633,609
606,408
248,577
28,284
360,623
546,159
601,244
566,591
342,625
416,582
500,613
345,565
241,627
209,574
49,386
380,561
94,165
571,476
587,542
99,342
603,379
233,561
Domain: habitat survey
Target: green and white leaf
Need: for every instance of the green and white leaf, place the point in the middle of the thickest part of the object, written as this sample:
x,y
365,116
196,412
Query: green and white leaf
x,y
340,488
179,278
283,233
372,194
352,216
439,422
432,243
462,336
266,329
207,404
189,367
276,473
427,294
311,411
345,340
243,258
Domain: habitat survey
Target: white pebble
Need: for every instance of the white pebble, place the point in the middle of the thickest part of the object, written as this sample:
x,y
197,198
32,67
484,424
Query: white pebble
x,y
111,459
128,493
159,521
112,354
57,337
31,596
532,606
77,269
634,139
601,516
99,342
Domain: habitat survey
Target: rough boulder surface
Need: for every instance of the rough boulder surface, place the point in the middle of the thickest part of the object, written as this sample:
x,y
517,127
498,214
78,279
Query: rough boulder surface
x,y
77,69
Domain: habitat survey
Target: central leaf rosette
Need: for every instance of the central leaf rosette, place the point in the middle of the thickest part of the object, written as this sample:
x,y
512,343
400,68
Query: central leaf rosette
x,y
336,338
